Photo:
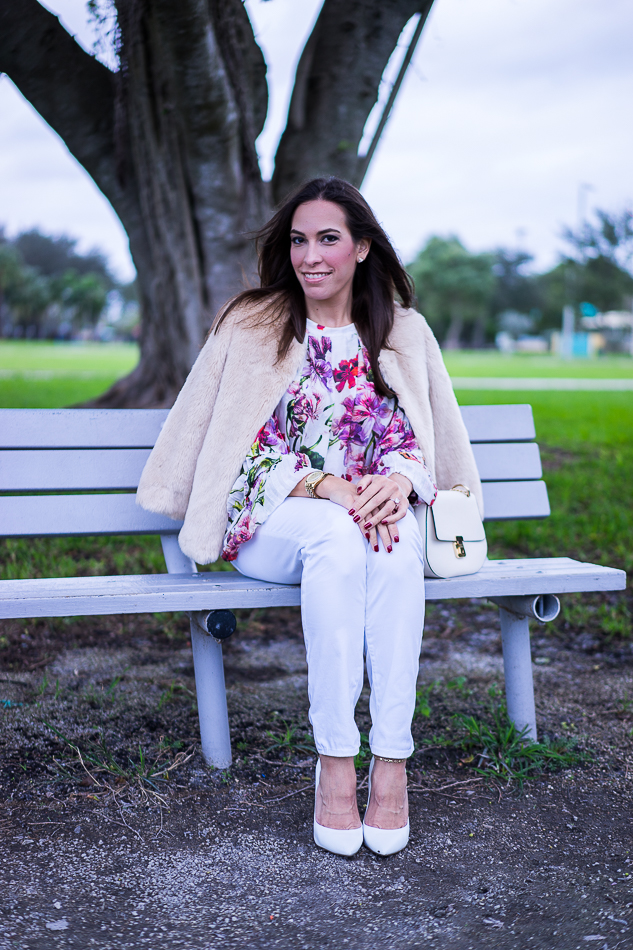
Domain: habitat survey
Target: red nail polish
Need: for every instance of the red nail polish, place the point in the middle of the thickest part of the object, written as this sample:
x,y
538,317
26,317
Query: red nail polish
x,y
367,535
348,478
356,519
396,538
352,511
366,526
385,522
376,548
389,549
359,489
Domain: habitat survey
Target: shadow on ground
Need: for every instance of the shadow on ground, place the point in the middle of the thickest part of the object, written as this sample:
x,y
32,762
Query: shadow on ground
x,y
115,835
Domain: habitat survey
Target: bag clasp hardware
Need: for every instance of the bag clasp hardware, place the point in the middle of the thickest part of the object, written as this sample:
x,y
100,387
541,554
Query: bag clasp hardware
x,y
458,546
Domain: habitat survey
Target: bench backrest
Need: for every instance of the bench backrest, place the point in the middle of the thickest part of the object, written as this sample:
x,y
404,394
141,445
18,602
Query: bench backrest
x,y
74,471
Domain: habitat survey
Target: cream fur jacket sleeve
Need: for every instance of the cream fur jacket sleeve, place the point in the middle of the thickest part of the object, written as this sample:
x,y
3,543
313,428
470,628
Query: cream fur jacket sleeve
x,y
233,389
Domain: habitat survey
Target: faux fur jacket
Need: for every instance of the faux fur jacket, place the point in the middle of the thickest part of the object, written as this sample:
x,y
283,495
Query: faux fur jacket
x,y
233,389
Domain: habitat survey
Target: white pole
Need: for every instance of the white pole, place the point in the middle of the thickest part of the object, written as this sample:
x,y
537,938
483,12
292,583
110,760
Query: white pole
x,y
567,339
215,737
517,665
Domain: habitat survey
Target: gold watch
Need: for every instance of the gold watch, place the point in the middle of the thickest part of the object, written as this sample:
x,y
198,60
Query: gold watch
x,y
313,481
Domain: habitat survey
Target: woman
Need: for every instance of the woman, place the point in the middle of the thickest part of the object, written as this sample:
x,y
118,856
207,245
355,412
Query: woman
x,y
318,414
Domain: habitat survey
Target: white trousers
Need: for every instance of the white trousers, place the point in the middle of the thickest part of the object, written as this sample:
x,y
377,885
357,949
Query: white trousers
x,y
354,603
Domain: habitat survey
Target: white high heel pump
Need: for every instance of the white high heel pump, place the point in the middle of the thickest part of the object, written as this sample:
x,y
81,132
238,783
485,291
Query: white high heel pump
x,y
384,840
345,842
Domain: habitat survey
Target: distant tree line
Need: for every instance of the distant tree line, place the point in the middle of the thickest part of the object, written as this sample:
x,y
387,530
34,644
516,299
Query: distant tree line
x,y
467,298
48,290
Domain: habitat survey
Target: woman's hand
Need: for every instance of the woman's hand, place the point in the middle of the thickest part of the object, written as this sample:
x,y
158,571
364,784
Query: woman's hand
x,y
376,503
383,501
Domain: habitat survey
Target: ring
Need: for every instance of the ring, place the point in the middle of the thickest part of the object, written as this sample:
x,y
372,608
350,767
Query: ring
x,y
396,503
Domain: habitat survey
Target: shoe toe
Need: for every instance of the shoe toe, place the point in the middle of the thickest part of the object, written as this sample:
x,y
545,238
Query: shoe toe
x,y
338,842
384,840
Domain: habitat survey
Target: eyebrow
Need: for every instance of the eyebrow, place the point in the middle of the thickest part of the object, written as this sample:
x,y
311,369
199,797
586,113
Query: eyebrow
x,y
324,231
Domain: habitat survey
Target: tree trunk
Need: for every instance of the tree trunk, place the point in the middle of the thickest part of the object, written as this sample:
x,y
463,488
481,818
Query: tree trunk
x,y
478,339
335,89
170,140
196,176
452,339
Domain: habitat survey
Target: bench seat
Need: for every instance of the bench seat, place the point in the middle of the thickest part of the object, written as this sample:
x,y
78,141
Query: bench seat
x,y
228,590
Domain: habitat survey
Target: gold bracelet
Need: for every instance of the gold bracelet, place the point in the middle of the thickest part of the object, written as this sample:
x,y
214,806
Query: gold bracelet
x,y
381,758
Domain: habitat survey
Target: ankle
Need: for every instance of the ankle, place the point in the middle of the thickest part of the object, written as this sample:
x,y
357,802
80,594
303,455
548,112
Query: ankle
x,y
335,802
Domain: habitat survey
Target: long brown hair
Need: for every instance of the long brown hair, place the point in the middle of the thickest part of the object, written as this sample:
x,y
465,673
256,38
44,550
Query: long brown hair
x,y
375,284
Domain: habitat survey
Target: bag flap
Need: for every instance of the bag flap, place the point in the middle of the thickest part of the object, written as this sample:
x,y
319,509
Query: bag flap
x,y
455,514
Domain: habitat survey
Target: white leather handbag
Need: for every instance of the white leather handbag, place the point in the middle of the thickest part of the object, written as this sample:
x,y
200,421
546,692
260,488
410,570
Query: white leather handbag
x,y
453,534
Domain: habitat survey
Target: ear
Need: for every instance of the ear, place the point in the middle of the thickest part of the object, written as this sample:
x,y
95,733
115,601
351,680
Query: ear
x,y
362,248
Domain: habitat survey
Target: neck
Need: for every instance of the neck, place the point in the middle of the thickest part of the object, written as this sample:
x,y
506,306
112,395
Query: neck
x,y
334,312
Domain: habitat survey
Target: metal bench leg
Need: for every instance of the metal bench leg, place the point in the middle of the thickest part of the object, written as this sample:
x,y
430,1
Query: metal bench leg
x,y
517,665
514,613
215,737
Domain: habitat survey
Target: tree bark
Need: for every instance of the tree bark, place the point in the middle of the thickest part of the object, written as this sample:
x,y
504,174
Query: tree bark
x,y
191,126
454,332
478,339
170,140
336,87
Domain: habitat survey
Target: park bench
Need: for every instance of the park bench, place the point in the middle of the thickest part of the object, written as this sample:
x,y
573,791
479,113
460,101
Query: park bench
x,y
74,471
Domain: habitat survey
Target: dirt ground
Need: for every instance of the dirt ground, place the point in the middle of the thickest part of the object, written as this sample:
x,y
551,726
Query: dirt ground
x,y
100,850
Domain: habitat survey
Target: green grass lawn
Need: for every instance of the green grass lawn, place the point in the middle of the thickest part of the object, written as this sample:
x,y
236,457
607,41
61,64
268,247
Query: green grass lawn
x,y
526,365
586,440
44,375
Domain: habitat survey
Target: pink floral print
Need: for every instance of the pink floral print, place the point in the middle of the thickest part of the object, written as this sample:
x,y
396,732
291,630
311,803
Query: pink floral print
x,y
331,418
346,372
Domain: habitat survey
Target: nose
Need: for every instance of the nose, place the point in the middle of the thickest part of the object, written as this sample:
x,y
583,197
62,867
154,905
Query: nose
x,y
313,253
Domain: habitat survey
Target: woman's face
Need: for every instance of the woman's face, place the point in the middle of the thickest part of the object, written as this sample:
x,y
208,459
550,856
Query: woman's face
x,y
322,251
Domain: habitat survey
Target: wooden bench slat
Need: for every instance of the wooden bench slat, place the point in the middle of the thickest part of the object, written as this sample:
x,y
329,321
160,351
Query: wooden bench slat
x,y
120,469
509,501
151,593
80,428
71,469
40,515
59,515
500,462
139,428
499,423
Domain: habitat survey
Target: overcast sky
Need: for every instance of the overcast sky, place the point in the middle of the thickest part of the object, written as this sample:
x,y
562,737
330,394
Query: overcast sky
x,y
510,106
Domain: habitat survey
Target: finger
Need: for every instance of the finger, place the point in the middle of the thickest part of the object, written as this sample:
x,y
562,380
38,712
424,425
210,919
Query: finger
x,y
395,515
373,539
364,531
369,494
371,510
363,483
390,510
370,536
385,537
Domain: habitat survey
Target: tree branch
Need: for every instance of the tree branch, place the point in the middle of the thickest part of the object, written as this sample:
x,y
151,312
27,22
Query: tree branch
x,y
244,61
336,87
72,91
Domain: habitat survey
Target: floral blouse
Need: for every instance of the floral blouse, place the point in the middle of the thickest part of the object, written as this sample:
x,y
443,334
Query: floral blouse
x,y
332,419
